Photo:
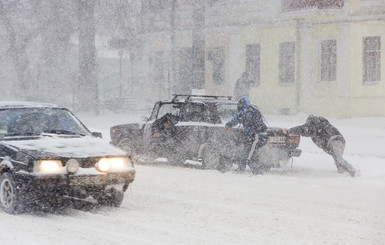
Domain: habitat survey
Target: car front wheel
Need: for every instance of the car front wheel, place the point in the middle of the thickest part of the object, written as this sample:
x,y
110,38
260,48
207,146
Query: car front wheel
x,y
9,196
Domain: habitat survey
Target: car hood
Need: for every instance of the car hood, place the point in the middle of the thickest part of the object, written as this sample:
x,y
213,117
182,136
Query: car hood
x,y
79,147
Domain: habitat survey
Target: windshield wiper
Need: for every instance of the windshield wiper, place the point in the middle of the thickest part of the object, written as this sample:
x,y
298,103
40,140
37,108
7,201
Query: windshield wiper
x,y
59,131
19,134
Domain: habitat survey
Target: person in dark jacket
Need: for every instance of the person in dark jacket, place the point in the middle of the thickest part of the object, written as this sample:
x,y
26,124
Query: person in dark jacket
x,y
242,86
163,134
249,116
326,137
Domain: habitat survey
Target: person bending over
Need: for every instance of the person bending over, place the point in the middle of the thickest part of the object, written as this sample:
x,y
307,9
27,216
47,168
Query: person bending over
x,y
326,137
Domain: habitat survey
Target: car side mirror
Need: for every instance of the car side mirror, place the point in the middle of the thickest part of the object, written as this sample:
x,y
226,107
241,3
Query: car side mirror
x,y
97,134
144,119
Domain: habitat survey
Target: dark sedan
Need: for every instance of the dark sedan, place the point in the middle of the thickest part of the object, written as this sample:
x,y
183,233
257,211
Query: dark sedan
x,y
47,153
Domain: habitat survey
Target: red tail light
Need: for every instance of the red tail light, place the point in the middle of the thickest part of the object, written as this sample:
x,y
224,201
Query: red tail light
x,y
293,139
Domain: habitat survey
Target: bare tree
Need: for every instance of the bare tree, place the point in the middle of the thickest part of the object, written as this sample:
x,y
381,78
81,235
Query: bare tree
x,y
38,34
56,65
17,46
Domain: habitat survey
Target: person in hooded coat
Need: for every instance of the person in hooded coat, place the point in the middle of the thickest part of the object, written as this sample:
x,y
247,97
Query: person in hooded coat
x,y
242,86
326,137
163,138
250,117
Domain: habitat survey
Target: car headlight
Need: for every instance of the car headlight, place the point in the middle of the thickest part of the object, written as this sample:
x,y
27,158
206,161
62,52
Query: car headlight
x,y
113,163
103,165
47,166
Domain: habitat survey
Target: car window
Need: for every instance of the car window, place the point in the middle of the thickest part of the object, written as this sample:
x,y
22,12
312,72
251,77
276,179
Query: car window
x,y
35,121
154,111
4,119
227,111
62,120
194,112
173,109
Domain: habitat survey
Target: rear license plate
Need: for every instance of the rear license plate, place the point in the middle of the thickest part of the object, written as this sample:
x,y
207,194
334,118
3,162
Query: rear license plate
x,y
276,140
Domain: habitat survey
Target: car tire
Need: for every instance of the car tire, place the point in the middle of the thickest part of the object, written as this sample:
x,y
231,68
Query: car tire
x,y
113,198
211,159
9,195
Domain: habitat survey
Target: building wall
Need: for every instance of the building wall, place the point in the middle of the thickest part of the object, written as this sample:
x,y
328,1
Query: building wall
x,y
326,97
218,40
158,88
270,96
264,23
348,96
366,100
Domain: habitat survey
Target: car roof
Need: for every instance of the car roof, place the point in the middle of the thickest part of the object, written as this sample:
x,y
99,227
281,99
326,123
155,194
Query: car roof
x,y
182,98
24,104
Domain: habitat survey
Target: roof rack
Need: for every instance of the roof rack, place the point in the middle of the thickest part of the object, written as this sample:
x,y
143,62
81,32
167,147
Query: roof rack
x,y
190,96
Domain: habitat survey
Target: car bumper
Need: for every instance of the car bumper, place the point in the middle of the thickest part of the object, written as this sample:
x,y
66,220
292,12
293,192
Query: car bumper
x,y
65,182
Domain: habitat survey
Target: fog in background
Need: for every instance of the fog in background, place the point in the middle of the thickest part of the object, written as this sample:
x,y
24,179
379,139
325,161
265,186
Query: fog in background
x,y
57,51
48,48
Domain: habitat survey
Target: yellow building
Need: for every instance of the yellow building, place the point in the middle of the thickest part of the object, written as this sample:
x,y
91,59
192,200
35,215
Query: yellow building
x,y
318,57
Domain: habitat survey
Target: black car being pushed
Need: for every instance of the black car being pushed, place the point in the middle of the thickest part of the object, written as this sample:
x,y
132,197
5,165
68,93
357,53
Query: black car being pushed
x,y
47,153
192,127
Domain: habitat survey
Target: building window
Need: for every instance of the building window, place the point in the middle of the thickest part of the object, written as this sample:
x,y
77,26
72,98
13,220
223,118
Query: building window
x,y
158,67
329,60
292,5
252,62
287,63
371,60
217,58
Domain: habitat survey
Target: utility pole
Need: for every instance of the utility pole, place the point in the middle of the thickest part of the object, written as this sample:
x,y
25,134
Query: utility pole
x,y
171,68
88,91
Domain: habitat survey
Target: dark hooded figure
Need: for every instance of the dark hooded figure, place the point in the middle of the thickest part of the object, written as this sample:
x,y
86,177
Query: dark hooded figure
x,y
249,116
163,138
326,137
242,86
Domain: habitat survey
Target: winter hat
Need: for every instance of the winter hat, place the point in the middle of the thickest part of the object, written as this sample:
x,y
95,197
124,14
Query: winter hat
x,y
243,103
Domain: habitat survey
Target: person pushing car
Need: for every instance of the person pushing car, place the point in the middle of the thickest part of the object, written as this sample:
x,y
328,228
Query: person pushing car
x,y
250,117
326,137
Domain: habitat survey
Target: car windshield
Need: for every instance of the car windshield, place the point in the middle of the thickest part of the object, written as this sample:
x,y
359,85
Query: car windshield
x,y
36,121
227,111
173,109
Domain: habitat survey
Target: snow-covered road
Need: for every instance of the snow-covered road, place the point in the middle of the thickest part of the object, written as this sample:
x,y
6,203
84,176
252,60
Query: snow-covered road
x,y
309,204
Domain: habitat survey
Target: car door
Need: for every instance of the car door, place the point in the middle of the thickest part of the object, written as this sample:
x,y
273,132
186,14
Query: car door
x,y
147,126
192,128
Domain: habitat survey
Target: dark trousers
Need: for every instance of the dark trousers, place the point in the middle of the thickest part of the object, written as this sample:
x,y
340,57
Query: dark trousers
x,y
250,153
